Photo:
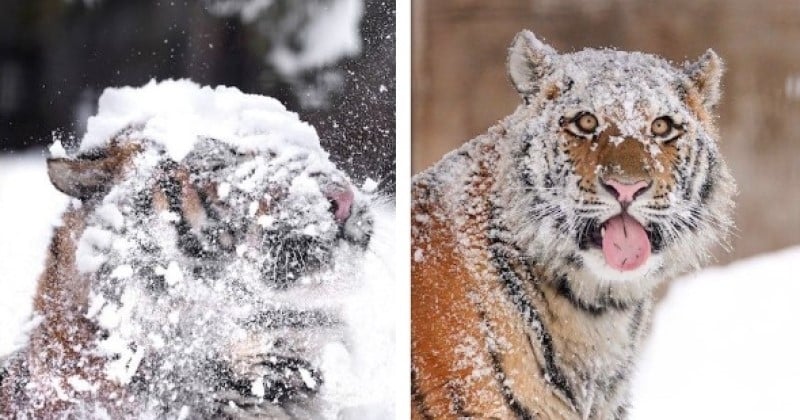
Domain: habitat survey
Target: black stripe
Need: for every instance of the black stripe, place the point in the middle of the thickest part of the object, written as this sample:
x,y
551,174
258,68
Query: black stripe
x,y
574,260
520,160
514,289
519,410
621,412
457,403
586,230
708,185
687,176
599,307
656,234
418,399
636,321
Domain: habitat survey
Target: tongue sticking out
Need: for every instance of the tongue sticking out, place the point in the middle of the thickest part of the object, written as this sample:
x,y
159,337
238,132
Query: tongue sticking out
x,y
625,243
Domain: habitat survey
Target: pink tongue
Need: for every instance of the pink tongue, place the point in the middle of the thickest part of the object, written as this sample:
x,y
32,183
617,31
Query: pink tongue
x,y
625,243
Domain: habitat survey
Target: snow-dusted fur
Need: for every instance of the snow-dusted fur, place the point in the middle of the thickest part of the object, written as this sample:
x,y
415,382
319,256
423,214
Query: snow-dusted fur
x,y
515,311
205,287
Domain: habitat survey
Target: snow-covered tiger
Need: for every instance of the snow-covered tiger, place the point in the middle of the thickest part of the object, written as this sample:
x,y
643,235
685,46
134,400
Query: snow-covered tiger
x,y
200,268
537,246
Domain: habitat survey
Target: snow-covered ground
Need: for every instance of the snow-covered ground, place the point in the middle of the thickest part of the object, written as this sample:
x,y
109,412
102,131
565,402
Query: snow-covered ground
x,y
725,344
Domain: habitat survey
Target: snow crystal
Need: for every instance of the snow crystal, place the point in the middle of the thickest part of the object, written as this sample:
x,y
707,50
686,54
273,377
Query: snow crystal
x,y
169,216
57,150
88,257
257,388
654,150
177,113
184,413
109,316
308,379
81,385
370,185
223,189
96,303
111,215
265,221
253,209
122,272
60,394
172,274
123,369
174,317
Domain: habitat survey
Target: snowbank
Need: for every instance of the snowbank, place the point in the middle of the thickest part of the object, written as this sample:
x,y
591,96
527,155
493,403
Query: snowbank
x,y
725,345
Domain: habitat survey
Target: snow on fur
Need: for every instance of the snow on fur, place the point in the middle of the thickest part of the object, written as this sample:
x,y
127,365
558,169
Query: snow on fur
x,y
176,113
175,321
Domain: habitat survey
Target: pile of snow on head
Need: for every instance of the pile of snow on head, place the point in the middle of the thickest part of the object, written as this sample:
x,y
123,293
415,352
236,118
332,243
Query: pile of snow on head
x,y
176,113
220,261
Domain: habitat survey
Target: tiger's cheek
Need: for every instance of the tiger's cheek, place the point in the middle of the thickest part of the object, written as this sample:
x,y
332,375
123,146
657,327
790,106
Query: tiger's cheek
x,y
583,156
664,171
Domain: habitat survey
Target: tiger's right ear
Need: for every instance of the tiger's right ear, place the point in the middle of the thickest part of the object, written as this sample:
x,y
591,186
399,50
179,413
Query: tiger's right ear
x,y
79,178
528,61
84,177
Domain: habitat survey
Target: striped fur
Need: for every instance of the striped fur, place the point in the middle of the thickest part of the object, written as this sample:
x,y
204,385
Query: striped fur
x,y
238,326
514,314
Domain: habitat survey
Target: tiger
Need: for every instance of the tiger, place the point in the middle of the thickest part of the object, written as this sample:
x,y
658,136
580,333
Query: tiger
x,y
199,287
537,247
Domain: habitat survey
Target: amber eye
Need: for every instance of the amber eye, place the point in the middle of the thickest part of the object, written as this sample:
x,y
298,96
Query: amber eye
x,y
662,126
586,122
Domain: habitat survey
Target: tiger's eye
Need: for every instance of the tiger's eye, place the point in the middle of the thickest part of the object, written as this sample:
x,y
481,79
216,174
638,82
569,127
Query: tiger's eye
x,y
661,126
587,123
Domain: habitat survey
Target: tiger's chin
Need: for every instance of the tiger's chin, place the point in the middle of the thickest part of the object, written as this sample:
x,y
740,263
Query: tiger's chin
x,y
596,264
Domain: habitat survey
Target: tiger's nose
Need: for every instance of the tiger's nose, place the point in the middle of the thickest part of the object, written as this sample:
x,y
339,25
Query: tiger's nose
x,y
341,198
625,192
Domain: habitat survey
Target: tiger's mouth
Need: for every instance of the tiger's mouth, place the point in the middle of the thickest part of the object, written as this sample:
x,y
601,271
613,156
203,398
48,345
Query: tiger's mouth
x,y
625,243
294,254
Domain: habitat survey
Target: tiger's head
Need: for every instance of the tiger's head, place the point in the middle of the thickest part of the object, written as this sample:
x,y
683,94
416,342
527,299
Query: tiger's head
x,y
276,214
620,179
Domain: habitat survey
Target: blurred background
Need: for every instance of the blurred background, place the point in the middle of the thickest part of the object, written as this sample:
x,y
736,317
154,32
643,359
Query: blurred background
x,y
460,88
332,61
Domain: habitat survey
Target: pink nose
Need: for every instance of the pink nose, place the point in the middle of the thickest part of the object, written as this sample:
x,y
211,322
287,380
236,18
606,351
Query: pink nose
x,y
625,193
341,202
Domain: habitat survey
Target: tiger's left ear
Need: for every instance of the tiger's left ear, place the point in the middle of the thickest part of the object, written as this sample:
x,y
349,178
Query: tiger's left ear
x,y
528,61
705,75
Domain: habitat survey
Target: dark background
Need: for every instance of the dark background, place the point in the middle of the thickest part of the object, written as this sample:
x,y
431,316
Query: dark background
x,y
57,56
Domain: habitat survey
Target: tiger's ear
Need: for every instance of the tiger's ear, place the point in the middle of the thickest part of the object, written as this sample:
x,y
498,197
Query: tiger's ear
x,y
705,75
528,61
84,177
79,178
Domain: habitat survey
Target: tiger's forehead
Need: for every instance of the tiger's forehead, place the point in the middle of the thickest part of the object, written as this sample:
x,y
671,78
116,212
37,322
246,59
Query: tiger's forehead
x,y
626,88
